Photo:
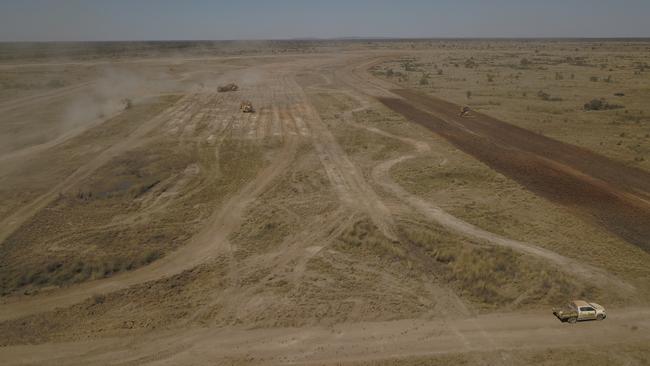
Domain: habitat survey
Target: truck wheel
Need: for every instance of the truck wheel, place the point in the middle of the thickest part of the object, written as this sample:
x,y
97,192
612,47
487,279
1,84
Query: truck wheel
x,y
600,317
572,320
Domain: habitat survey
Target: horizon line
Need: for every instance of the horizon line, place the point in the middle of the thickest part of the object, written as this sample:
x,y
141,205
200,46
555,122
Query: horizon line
x,y
346,38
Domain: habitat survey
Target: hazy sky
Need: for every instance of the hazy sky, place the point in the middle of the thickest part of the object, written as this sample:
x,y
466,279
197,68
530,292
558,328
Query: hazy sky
x,y
47,20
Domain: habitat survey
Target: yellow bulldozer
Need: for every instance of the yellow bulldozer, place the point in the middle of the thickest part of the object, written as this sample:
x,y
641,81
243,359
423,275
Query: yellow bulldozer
x,y
464,111
246,107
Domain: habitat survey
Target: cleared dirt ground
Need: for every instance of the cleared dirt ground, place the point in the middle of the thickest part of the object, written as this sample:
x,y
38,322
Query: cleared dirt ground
x,y
354,218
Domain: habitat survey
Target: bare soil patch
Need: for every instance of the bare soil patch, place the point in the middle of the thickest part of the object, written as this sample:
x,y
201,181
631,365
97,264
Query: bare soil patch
x,y
610,193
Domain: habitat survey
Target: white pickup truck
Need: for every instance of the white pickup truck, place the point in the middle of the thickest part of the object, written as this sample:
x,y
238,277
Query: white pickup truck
x,y
579,310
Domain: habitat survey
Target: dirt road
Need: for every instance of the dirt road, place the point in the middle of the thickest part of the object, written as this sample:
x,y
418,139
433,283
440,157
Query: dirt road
x,y
204,246
381,175
610,193
287,116
494,333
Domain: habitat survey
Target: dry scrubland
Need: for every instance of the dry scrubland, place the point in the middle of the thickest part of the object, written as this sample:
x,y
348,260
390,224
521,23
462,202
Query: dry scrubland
x,y
543,87
142,209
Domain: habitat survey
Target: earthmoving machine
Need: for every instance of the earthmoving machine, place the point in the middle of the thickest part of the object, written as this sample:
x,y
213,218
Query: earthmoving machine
x,y
227,88
580,310
127,103
246,107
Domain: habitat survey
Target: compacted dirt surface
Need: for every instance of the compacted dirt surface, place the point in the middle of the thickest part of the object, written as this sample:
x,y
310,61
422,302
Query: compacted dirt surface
x,y
493,336
615,195
176,230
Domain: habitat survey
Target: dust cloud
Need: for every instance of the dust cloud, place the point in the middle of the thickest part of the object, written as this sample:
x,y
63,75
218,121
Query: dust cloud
x,y
113,92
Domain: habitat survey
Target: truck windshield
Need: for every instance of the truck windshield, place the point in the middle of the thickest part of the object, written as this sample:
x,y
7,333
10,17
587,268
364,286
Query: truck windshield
x,y
586,309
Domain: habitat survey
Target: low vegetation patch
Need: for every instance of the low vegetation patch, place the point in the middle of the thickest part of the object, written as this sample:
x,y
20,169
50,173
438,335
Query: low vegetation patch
x,y
493,276
486,276
123,217
547,97
600,105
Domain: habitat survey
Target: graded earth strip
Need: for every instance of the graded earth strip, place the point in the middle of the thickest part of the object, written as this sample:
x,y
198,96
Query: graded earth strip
x,y
203,246
381,175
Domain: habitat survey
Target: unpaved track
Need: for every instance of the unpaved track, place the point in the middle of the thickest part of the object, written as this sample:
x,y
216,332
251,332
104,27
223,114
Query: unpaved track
x,y
345,177
381,175
345,342
607,192
43,97
437,214
301,120
213,239
15,220
295,120
207,244
204,246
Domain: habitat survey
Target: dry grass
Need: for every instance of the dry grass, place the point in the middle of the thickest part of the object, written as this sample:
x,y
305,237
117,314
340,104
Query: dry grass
x,y
491,277
124,216
543,87
471,191
28,179
155,305
302,256
487,277
299,195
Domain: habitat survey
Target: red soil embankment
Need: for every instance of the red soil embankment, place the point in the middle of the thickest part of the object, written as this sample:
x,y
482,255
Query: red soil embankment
x,y
609,193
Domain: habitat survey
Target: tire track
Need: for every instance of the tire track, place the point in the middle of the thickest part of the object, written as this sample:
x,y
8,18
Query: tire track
x,y
206,244
137,138
346,179
47,96
381,175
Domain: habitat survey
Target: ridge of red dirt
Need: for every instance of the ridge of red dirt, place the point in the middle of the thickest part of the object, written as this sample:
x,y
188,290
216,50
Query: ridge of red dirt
x,y
607,192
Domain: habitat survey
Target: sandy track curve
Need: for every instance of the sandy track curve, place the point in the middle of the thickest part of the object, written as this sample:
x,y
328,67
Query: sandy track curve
x,y
381,175
201,248
12,222
204,246
346,179
314,345
179,120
